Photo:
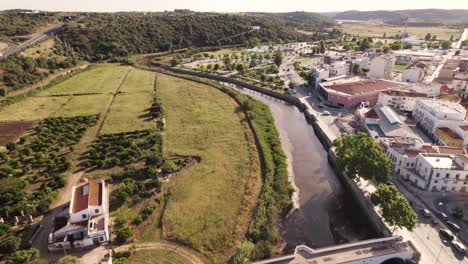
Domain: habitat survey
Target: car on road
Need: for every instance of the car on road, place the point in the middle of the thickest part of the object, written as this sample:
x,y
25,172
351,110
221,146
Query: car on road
x,y
326,113
453,226
458,246
442,215
447,233
425,212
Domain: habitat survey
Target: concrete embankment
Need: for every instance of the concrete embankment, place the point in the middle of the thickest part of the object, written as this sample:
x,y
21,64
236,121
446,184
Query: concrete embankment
x,y
365,206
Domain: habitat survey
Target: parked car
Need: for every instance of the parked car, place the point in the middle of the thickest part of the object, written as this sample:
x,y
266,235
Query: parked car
x,y
459,246
326,113
453,226
425,212
447,233
442,215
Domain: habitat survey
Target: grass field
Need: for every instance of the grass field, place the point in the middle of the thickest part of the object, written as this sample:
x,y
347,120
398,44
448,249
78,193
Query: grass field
x,y
85,105
159,256
374,29
33,108
100,79
44,49
400,67
202,121
129,112
138,81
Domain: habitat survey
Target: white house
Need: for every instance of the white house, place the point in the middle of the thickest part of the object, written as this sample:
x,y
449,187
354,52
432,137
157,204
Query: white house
x,y
382,67
400,99
339,68
431,114
87,222
430,89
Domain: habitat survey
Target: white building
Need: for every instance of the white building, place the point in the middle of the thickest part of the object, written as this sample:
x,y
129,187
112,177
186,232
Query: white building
x,y
87,222
429,89
321,72
339,68
400,99
431,114
382,67
460,84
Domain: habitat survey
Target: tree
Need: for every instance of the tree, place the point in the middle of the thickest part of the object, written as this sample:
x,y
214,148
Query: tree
x,y
364,45
428,37
10,245
322,47
446,44
395,208
68,260
451,37
359,155
278,57
310,79
123,233
395,45
434,37
23,256
240,68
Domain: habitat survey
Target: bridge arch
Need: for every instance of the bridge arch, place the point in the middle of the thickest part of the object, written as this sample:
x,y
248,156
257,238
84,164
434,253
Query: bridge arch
x,y
395,260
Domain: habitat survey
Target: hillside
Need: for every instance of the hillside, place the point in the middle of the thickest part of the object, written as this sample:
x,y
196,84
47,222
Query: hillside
x,y
101,36
301,20
438,16
18,23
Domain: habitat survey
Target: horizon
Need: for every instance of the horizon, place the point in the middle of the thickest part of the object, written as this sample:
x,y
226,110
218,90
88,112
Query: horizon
x,y
240,6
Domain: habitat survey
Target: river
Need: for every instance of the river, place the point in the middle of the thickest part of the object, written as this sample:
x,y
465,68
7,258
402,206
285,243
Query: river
x,y
325,214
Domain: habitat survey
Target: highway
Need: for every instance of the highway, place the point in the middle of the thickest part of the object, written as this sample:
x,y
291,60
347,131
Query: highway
x,y
49,31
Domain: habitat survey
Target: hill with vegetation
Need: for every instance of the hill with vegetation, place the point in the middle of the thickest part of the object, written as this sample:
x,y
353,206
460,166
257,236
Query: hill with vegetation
x,y
18,23
307,21
431,16
101,36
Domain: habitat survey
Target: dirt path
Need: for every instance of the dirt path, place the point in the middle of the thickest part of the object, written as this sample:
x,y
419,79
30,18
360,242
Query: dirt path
x,y
166,246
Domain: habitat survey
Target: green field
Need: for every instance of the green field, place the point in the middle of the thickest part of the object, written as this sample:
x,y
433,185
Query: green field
x,y
33,108
99,79
129,112
400,67
85,105
138,81
204,206
160,256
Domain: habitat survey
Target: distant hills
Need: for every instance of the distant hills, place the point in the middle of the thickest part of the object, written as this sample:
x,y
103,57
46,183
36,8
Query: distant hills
x,y
435,16
307,21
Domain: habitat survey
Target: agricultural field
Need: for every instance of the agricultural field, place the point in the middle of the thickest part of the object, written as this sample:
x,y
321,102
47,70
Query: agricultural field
x,y
202,122
32,108
375,29
12,131
98,80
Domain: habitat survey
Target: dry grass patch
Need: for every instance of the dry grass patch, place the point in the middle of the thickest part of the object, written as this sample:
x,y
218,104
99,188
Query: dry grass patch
x,y
207,197
138,81
32,108
85,105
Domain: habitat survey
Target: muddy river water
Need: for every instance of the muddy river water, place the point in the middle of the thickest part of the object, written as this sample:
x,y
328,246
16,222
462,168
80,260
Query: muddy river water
x,y
325,213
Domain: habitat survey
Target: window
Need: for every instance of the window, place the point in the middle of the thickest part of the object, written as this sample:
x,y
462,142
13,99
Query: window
x,y
464,183
447,175
96,211
101,238
457,176
444,188
407,164
84,216
453,188
436,181
438,175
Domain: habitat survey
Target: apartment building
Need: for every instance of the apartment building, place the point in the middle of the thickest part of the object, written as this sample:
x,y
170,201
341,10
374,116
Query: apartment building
x,y
460,84
382,67
403,100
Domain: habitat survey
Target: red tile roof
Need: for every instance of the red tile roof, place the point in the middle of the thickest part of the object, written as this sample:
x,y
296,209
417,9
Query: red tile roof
x,y
365,86
404,93
92,196
464,128
371,114
451,150
411,153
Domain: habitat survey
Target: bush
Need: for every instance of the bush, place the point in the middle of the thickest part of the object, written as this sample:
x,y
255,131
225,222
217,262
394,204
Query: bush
x,y
69,260
10,245
137,220
123,234
23,256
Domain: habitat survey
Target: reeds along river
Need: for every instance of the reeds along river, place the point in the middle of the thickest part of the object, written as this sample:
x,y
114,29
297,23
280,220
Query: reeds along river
x,y
325,215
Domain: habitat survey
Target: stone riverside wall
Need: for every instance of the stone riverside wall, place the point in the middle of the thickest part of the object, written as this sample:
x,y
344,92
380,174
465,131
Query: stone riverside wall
x,y
361,200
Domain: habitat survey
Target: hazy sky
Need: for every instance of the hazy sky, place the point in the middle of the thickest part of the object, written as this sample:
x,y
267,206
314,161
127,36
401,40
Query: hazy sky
x,y
229,5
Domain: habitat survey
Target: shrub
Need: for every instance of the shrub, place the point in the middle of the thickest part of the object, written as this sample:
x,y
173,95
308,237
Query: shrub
x,y
23,256
137,220
123,234
10,245
69,260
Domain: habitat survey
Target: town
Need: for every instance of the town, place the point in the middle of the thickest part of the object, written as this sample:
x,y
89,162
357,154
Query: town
x,y
253,137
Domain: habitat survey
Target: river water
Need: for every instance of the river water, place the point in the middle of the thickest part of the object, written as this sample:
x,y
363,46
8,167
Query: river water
x,y
325,214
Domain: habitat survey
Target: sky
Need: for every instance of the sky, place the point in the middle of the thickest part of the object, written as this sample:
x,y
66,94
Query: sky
x,y
229,6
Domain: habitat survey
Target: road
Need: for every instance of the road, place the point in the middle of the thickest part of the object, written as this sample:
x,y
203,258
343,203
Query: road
x,y
464,36
49,31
